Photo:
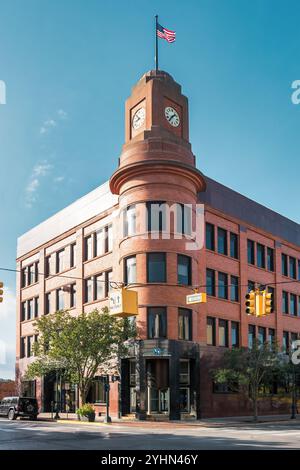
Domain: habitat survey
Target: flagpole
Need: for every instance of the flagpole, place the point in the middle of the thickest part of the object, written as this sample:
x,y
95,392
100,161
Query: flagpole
x,y
156,44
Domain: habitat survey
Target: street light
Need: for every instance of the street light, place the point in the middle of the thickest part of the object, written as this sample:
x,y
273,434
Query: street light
x,y
107,418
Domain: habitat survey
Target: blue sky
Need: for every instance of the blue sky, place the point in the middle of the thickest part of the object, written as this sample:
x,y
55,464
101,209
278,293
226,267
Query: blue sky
x,y
69,65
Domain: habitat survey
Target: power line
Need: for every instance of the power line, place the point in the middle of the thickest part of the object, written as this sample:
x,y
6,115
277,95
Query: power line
x,y
139,284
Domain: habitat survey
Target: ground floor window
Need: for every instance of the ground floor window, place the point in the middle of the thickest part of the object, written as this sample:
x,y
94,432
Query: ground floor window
x,y
28,388
97,391
184,400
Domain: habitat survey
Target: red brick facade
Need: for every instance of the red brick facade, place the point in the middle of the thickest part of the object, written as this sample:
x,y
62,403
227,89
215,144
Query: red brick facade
x,y
157,164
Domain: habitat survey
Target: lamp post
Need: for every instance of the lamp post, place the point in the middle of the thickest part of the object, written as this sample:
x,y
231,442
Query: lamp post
x,y
107,418
56,407
294,399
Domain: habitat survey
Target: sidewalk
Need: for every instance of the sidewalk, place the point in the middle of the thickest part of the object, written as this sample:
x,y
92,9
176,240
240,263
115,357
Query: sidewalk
x,y
235,421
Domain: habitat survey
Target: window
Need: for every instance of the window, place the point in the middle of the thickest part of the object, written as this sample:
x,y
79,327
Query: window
x,y
293,268
294,337
184,219
223,333
270,259
23,277
211,331
99,287
184,372
284,264
97,391
293,304
184,270
73,295
271,337
234,289
22,348
285,302
223,286
222,241
47,303
210,236
108,282
157,322
109,238
23,311
73,255
250,251
129,215
260,256
156,214
36,278
89,290
210,282
251,286
251,336
60,299
36,307
88,249
31,274
156,267
234,246
47,266
100,242
30,340
30,309
298,269
185,324
130,270
285,342
261,335
60,261
235,337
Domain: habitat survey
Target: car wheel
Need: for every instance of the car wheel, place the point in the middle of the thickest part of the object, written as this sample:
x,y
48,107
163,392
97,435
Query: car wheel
x,y
11,415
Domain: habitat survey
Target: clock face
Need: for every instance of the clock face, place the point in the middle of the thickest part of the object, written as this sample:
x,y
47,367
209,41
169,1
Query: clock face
x,y
172,116
138,118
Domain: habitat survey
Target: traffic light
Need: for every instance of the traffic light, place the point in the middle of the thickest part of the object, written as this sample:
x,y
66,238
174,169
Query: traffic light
x,y
259,303
251,303
268,302
1,292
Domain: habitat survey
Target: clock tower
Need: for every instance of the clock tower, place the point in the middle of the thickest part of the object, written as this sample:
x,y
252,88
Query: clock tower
x,y
157,166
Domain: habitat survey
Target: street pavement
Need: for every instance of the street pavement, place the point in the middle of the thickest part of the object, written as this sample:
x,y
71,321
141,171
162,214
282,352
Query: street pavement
x,y
41,435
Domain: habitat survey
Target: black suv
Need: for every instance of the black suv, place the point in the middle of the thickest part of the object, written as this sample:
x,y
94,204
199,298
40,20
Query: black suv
x,y
12,407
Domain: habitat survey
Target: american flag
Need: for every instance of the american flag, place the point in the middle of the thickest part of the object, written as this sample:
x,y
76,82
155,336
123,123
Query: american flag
x,y
165,33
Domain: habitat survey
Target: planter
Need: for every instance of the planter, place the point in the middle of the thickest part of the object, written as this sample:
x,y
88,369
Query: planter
x,y
90,418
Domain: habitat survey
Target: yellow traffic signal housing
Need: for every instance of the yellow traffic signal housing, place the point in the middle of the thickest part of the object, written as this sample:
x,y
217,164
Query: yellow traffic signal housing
x,y
123,302
251,303
1,292
267,302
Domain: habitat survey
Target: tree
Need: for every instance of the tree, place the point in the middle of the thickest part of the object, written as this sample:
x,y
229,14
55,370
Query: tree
x,y
247,370
79,346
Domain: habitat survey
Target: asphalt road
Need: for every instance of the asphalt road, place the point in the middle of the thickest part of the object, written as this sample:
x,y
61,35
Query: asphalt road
x,y
27,435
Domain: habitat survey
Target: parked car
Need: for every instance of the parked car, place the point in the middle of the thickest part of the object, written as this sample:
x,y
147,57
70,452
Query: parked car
x,y
12,407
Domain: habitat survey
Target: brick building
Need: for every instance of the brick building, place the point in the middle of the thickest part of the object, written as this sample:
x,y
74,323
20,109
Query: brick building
x,y
104,237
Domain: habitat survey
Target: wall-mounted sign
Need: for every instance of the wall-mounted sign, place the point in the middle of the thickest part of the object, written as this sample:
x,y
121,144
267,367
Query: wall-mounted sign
x,y
123,302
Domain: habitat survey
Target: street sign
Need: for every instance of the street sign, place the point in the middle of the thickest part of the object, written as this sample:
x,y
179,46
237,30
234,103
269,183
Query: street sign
x,y
198,298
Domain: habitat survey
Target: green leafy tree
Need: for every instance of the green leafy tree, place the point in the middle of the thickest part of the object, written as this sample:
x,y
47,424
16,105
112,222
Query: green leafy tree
x,y
247,370
80,346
